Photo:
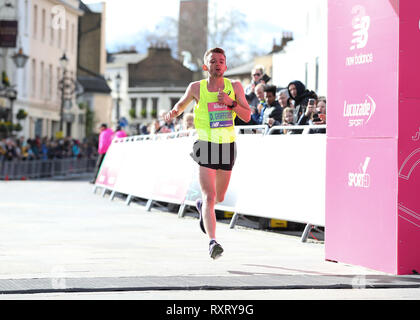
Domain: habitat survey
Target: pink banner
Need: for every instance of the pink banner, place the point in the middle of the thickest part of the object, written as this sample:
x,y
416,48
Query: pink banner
x,y
373,150
363,69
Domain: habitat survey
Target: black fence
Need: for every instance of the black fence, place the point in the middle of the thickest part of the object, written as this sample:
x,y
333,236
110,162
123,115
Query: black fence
x,y
38,169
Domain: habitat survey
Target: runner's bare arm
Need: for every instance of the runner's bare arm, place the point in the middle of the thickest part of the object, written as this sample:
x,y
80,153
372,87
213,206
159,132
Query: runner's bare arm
x,y
242,109
190,94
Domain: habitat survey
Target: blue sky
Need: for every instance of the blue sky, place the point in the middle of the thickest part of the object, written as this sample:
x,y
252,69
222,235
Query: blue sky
x,y
266,19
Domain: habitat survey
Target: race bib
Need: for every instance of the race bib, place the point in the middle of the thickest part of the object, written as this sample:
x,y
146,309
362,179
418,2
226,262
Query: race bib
x,y
220,115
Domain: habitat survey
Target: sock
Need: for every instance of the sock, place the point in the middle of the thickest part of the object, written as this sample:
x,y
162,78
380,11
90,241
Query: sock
x,y
212,240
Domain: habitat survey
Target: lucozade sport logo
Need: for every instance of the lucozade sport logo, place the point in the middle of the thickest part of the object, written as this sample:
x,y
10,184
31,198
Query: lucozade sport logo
x,y
360,37
359,113
360,179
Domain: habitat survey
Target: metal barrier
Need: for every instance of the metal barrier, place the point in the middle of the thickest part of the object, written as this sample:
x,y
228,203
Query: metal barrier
x,y
37,169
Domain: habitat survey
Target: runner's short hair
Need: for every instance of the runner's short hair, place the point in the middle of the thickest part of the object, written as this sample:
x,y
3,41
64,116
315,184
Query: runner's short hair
x,y
213,50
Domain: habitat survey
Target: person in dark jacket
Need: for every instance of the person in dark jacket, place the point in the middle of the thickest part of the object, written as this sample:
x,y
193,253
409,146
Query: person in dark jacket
x,y
300,96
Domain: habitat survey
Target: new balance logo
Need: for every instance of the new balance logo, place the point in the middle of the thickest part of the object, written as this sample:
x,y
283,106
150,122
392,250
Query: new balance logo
x,y
361,24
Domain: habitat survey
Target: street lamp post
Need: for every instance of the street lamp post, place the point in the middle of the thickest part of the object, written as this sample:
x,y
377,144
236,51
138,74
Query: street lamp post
x,y
64,62
67,86
118,86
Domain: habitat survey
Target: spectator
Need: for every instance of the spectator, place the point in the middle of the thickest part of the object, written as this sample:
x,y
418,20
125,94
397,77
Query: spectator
x,y
165,127
321,110
255,111
271,112
256,78
44,148
188,122
2,149
283,98
145,129
311,117
105,139
75,149
11,152
120,133
288,120
300,96
156,126
251,94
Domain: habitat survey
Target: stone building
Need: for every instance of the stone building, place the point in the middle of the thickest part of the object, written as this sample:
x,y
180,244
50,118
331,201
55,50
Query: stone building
x,y
96,94
117,67
46,30
156,83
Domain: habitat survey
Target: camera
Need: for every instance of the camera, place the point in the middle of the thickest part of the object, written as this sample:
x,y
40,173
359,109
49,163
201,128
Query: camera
x,y
311,102
316,118
265,78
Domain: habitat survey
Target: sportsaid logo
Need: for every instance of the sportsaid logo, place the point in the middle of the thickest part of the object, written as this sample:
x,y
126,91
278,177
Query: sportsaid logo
x,y
360,37
359,113
360,179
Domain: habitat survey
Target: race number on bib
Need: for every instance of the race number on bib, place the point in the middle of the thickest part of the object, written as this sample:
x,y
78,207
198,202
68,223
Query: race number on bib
x,y
220,115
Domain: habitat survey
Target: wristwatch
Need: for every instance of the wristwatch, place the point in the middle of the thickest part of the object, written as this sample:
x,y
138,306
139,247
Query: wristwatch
x,y
234,104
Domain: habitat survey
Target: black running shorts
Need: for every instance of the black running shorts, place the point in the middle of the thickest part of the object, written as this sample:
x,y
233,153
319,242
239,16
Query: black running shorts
x,y
217,156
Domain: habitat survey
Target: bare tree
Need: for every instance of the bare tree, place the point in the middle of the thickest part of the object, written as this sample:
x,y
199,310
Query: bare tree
x,y
227,30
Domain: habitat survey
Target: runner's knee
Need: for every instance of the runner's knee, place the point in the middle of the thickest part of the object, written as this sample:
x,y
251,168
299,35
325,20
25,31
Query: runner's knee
x,y
209,197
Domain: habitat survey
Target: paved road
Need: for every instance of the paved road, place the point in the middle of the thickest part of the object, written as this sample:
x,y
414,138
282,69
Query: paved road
x,y
59,240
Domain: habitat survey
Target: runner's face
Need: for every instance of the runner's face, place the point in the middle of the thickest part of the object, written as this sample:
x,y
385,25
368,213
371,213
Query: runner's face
x,y
216,64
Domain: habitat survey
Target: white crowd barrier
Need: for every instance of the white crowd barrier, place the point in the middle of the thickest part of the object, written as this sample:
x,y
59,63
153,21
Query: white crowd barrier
x,y
275,176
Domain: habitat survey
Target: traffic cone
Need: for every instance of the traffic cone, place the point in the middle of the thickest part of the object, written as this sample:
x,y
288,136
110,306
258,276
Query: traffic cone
x,y
6,178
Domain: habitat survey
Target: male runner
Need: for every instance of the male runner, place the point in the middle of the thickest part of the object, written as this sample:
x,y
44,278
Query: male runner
x,y
219,100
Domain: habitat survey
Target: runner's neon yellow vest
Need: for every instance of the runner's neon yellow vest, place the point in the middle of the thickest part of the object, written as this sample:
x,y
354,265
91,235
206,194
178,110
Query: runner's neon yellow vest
x,y
214,122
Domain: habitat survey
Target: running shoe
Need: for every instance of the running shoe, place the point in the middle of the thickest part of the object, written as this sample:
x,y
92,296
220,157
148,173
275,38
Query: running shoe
x,y
199,206
215,250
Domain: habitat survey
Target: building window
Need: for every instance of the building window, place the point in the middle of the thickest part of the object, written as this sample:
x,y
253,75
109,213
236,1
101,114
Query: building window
x,y
72,38
33,76
34,29
43,22
66,43
58,83
52,30
26,17
133,111
41,87
50,81
60,34
144,108
154,112
38,127
173,102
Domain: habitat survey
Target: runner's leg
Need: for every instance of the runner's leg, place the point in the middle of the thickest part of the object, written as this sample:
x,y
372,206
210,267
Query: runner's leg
x,y
222,184
207,179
